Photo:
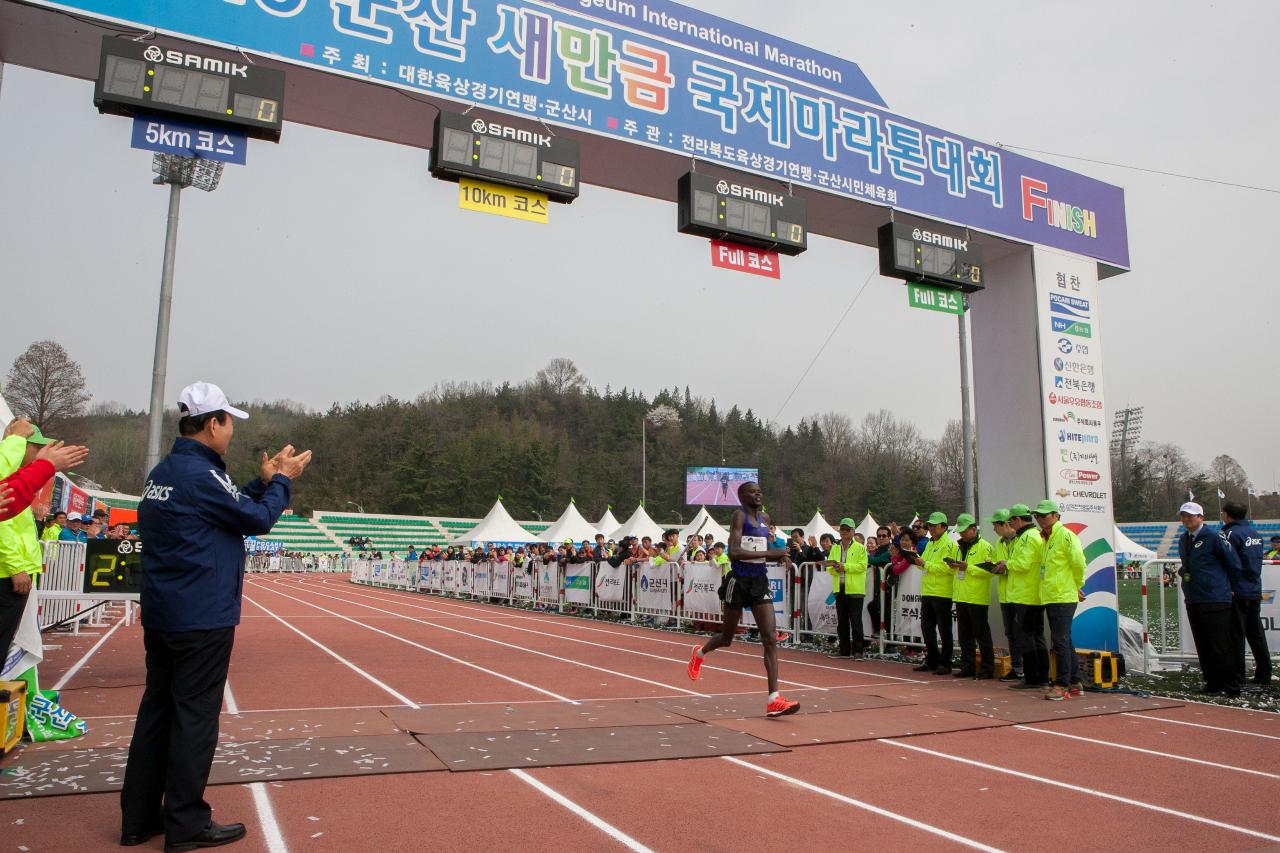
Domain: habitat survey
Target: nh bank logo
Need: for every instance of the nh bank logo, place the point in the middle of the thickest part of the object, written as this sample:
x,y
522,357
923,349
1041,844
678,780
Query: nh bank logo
x,y
1059,214
1077,328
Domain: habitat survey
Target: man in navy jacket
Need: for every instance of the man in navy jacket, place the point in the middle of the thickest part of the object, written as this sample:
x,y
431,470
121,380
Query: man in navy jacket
x,y
193,520
1247,603
1210,569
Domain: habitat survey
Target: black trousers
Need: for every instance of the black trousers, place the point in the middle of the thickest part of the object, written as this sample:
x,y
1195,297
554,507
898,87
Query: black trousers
x,y
176,732
1012,636
1060,616
935,621
1248,626
974,629
11,606
849,622
1035,651
1211,629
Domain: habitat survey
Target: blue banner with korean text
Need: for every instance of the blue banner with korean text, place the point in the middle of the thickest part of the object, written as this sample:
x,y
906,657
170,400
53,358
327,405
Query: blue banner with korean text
x,y
172,136
681,81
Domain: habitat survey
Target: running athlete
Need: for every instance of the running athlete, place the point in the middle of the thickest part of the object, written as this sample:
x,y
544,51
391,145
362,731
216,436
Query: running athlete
x,y
724,485
747,585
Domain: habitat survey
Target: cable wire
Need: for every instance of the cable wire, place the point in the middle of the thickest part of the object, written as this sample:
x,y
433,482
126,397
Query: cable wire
x,y
1143,169
875,269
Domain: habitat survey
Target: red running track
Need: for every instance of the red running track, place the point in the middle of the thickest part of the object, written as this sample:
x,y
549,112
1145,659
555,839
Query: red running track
x,y
1197,777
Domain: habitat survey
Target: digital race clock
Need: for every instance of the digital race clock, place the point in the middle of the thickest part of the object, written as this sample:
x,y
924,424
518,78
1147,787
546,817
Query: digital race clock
x,y
931,253
726,210
474,147
112,568
144,77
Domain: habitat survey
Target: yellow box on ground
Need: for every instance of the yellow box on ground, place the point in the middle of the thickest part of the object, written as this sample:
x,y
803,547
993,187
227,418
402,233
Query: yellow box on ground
x,y
13,716
502,201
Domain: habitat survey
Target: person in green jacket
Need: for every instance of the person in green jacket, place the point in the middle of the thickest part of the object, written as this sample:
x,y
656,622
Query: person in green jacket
x,y
1061,579
53,527
20,555
847,565
972,595
935,595
999,521
1026,553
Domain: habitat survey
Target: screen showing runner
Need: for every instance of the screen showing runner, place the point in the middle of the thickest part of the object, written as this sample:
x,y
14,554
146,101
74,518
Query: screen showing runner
x,y
716,486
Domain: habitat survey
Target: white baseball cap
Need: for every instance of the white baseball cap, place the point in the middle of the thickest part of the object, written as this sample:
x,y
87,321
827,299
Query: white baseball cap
x,y
1191,508
201,398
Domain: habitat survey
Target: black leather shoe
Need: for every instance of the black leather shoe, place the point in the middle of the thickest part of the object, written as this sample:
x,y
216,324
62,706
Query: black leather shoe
x,y
214,835
963,674
134,839
985,676
942,670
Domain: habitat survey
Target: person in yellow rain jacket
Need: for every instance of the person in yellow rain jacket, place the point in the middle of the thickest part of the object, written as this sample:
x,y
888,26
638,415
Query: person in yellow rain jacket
x,y
847,564
1026,553
1061,579
935,595
999,521
721,559
972,595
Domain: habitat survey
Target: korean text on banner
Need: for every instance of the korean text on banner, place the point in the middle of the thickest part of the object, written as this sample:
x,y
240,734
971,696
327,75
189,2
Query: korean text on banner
x,y
611,582
821,603
577,583
701,588
522,586
655,587
549,582
501,583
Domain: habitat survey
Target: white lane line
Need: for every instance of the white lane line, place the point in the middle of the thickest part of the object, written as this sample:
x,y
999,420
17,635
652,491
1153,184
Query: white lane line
x,y
66,676
1080,789
1185,758
451,614
1198,725
599,823
809,786
494,641
261,798
390,691
567,622
427,649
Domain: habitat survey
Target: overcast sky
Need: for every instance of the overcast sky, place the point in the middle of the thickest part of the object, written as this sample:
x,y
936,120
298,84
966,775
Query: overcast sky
x,y
334,268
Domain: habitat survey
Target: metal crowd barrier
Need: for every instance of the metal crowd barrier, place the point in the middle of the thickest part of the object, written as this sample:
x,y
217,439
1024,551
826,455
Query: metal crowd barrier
x,y
665,594
308,563
62,578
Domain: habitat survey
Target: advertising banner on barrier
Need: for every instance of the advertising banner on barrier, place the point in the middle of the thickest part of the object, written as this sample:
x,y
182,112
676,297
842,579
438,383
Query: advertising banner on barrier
x,y
777,584
908,621
548,582
701,588
522,583
424,577
611,583
500,582
360,571
821,603
480,575
654,587
377,572
577,583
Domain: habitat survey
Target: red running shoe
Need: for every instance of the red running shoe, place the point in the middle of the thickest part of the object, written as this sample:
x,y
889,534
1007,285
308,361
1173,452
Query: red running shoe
x,y
780,707
695,663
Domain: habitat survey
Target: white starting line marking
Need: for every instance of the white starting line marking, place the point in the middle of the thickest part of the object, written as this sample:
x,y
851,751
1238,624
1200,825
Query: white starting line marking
x,y
1199,725
1080,789
261,797
428,649
607,828
67,676
1170,755
809,786
496,642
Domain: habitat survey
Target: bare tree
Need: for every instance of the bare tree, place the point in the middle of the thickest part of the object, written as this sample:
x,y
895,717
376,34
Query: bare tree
x,y
46,385
1229,475
838,433
561,376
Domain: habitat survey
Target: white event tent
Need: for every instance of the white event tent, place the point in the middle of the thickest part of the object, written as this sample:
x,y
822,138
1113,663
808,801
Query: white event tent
x,y
1130,551
638,525
818,526
867,527
703,524
607,523
570,525
497,526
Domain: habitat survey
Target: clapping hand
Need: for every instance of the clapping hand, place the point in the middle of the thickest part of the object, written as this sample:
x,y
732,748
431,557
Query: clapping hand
x,y
19,426
63,456
286,462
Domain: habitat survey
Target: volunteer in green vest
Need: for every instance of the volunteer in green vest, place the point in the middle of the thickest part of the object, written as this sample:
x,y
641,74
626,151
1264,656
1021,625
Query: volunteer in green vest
x,y
972,595
20,555
935,595
1004,537
54,527
1026,553
721,559
847,565
1061,579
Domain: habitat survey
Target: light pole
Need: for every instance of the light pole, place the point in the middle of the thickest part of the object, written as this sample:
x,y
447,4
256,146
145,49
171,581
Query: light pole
x,y
678,516
179,173
966,413
359,508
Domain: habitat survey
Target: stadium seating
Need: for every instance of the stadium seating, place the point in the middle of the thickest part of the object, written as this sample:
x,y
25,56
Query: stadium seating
x,y
1163,537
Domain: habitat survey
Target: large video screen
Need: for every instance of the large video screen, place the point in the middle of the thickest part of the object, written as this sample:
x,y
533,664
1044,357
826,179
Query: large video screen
x,y
716,486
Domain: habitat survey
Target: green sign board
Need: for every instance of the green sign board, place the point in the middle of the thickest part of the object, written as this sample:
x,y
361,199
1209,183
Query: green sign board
x,y
935,298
